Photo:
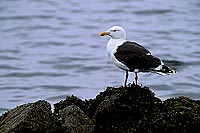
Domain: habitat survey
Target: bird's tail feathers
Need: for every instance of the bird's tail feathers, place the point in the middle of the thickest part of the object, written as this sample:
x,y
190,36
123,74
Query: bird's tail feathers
x,y
164,70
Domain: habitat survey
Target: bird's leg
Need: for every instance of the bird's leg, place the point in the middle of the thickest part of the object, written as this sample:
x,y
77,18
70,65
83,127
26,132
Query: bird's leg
x,y
136,78
126,79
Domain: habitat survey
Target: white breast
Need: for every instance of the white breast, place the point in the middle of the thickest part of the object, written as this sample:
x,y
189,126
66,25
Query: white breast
x,y
112,46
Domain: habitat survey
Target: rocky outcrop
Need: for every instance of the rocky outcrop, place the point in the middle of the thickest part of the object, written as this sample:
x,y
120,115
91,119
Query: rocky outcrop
x,y
136,109
123,109
75,120
31,117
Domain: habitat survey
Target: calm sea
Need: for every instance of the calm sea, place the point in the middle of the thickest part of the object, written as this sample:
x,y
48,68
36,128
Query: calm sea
x,y
50,49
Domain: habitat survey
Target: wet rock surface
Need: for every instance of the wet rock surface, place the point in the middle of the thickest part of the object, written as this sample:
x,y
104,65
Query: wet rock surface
x,y
136,109
75,120
123,109
31,117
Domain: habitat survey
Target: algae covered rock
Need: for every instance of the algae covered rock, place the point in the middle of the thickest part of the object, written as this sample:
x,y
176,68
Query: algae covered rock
x,y
136,109
117,109
31,117
178,114
75,120
122,109
70,100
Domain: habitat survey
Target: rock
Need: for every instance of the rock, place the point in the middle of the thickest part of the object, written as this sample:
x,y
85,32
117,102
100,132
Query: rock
x,y
31,117
70,100
136,109
178,114
75,120
121,109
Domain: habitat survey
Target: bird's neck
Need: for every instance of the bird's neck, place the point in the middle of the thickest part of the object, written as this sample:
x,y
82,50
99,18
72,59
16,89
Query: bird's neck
x,y
113,44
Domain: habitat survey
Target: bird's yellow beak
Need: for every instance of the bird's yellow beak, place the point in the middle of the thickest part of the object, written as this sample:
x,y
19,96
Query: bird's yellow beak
x,y
104,33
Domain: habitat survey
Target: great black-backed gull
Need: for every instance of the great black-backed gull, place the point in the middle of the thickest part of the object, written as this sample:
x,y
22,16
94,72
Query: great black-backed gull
x,y
131,56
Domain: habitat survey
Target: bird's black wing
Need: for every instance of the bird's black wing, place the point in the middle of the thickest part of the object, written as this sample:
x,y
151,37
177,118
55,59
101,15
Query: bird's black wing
x,y
135,56
137,47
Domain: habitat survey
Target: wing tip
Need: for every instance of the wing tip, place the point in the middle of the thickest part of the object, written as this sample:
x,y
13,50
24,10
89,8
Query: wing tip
x,y
164,70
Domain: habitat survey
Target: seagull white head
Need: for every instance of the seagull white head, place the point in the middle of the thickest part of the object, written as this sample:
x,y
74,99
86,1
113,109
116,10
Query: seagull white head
x,y
116,32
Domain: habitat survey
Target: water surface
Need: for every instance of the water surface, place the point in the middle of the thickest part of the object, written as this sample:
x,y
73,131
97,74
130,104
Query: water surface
x,y
51,49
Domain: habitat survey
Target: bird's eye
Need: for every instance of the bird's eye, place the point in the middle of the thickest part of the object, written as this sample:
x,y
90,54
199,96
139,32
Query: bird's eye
x,y
114,30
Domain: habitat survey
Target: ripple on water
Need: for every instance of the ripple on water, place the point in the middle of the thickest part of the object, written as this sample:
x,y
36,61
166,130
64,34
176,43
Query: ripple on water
x,y
8,57
8,67
28,17
58,87
51,49
31,74
175,64
154,12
